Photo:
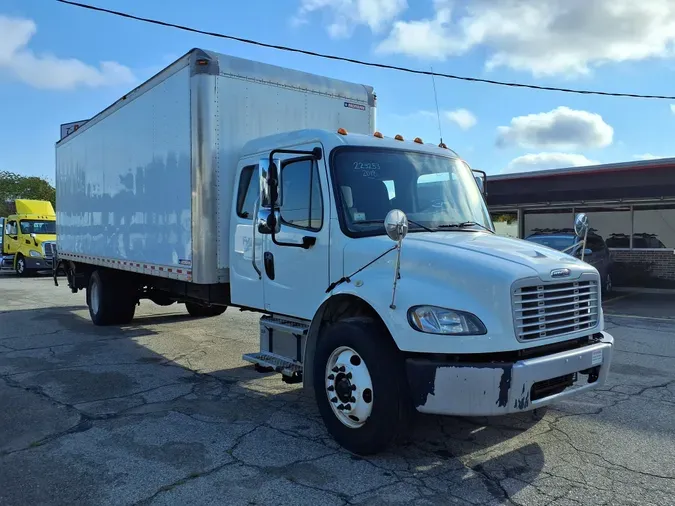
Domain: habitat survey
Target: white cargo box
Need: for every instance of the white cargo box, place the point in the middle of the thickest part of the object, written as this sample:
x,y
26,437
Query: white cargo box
x,y
147,184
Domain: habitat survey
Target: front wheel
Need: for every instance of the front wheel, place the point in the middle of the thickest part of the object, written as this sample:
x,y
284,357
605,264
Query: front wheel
x,y
607,285
360,386
20,266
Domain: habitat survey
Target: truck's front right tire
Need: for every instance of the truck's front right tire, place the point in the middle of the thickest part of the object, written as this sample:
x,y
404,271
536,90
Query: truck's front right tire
x,y
361,387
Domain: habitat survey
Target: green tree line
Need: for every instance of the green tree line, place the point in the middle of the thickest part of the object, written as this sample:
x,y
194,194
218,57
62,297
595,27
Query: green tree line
x,y
15,186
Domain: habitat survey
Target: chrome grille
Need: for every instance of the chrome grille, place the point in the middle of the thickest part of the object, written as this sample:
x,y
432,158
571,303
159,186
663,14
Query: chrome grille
x,y
49,248
555,309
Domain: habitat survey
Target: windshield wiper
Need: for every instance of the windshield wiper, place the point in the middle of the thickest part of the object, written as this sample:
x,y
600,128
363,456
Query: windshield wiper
x,y
370,222
466,224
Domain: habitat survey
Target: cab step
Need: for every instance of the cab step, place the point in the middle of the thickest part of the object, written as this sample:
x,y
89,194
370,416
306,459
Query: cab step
x,y
294,327
268,362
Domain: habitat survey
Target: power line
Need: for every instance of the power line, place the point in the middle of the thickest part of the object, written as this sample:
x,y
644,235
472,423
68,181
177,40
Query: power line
x,y
362,62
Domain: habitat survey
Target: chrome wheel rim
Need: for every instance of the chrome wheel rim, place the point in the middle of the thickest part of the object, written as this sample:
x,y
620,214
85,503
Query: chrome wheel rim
x,y
349,387
20,266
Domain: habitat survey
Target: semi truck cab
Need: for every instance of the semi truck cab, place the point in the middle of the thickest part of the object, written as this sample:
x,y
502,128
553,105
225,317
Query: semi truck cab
x,y
29,237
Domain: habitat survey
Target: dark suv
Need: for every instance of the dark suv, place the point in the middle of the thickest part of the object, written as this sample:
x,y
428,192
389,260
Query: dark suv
x,y
596,252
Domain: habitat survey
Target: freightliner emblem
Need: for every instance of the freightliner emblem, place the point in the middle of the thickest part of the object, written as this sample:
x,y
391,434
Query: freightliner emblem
x,y
560,273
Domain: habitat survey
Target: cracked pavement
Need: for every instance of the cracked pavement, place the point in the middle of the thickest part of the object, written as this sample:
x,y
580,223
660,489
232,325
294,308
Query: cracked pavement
x,y
164,411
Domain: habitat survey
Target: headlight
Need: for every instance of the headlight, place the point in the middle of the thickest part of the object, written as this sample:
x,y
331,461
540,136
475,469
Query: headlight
x,y
438,320
34,253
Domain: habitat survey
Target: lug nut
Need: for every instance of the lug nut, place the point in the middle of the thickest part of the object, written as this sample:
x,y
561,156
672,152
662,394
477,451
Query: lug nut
x,y
342,368
334,400
348,407
341,407
352,399
335,369
353,388
349,375
330,388
331,377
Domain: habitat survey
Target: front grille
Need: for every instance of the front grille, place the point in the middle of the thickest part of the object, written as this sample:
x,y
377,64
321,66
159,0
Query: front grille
x,y
555,309
49,248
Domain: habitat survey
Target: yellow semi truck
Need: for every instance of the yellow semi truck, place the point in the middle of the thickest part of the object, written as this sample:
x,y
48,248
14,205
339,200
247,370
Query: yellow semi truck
x,y
29,237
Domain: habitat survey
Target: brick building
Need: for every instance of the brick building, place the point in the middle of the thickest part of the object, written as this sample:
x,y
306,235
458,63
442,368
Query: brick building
x,y
630,205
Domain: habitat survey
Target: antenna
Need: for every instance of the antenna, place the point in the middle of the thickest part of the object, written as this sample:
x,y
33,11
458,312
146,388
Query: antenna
x,y
438,111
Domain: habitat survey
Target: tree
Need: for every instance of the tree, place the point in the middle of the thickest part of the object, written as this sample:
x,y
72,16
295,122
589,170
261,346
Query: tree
x,y
15,186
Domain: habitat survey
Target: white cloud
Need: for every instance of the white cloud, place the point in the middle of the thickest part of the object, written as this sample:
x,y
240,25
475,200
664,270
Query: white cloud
x,y
345,15
47,71
463,118
648,156
561,128
543,161
552,37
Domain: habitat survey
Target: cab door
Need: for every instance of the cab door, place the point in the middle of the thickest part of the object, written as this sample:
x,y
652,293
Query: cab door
x,y
11,241
296,258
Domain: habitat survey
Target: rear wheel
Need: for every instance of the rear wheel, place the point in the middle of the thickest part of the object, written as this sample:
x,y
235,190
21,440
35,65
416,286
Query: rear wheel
x,y
203,311
360,386
111,301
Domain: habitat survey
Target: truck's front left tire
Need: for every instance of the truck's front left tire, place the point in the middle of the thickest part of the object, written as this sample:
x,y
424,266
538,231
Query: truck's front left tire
x,y
20,267
360,386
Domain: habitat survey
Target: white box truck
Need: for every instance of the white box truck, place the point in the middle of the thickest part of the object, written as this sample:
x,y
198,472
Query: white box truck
x,y
222,182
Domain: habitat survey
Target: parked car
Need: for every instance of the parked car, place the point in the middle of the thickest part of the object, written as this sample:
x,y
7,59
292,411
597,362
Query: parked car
x,y
596,254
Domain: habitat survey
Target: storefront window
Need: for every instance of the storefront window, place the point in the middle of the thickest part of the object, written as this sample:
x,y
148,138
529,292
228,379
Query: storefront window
x,y
548,221
611,223
654,227
506,223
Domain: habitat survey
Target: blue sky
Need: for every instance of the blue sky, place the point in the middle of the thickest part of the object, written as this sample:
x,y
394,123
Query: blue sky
x,y
59,63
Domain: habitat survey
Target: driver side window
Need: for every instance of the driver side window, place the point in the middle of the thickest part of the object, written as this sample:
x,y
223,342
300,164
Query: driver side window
x,y
302,201
11,228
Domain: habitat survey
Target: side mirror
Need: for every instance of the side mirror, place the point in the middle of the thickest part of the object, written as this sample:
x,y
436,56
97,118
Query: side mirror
x,y
480,184
270,183
581,225
396,225
268,221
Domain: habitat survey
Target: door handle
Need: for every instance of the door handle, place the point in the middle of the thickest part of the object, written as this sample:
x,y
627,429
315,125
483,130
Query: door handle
x,y
269,265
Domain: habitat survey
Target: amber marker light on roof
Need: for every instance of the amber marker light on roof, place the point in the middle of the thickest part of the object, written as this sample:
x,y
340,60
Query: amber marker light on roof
x,y
378,135
418,140
342,131
398,137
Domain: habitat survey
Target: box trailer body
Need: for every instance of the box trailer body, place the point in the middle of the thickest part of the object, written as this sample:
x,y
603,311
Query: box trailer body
x,y
228,183
147,184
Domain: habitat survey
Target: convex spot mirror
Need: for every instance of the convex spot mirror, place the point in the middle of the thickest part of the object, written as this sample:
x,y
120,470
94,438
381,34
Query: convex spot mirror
x,y
396,225
581,225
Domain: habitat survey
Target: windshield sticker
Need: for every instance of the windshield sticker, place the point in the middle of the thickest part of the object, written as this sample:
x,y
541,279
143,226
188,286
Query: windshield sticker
x,y
359,216
371,170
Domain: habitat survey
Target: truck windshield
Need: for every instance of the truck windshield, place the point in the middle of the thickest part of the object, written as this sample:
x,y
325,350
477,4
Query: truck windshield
x,y
436,192
37,227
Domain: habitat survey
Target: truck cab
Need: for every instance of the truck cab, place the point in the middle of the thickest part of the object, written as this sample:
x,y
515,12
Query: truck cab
x,y
448,319
29,237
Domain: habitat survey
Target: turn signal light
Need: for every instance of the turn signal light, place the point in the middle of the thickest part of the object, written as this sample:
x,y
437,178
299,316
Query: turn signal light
x,y
342,131
398,137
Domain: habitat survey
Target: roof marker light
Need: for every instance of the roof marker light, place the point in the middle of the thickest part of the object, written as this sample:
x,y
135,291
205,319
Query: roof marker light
x,y
418,140
378,135
342,131
399,137
442,145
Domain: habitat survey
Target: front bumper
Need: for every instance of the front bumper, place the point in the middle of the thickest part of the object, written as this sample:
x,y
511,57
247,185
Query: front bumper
x,y
499,388
38,264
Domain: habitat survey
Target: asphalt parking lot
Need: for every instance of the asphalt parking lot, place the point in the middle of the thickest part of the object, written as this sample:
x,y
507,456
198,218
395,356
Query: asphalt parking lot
x,y
165,412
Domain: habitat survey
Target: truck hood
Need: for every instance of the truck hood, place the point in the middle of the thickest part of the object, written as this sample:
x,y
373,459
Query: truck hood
x,y
539,257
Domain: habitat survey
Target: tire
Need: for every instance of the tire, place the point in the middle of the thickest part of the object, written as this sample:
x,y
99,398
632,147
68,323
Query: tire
x,y
20,267
111,301
607,285
356,344
202,311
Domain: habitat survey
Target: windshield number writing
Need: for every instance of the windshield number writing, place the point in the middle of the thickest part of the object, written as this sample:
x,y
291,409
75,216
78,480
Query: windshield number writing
x,y
368,169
